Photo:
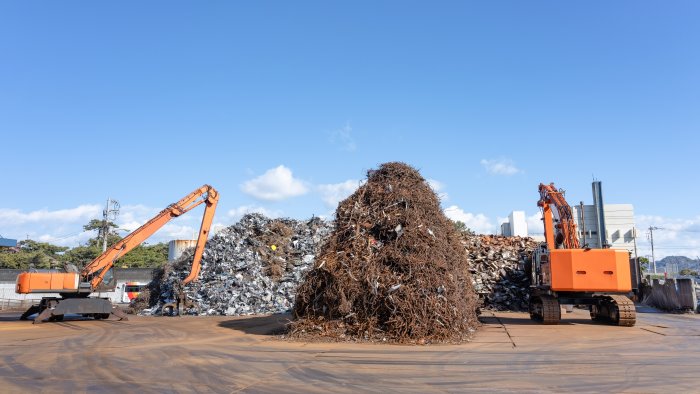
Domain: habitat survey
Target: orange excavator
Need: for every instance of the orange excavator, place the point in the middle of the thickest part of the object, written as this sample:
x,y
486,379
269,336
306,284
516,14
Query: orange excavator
x,y
563,272
75,288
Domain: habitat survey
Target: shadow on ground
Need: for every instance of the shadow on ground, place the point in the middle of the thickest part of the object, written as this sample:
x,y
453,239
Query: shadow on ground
x,y
260,325
10,316
525,321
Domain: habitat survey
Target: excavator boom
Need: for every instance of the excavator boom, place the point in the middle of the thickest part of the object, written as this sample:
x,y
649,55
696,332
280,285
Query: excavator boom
x,y
559,225
97,269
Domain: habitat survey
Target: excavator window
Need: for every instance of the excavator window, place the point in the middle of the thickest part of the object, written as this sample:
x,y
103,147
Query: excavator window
x,y
109,277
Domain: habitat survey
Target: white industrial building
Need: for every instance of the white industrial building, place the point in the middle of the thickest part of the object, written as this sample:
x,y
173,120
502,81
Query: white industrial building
x,y
516,226
618,220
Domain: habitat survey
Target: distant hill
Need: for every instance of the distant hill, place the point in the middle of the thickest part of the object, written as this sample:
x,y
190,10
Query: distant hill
x,y
681,261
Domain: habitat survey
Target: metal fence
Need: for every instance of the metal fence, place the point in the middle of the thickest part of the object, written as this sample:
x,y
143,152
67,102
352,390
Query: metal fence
x,y
15,305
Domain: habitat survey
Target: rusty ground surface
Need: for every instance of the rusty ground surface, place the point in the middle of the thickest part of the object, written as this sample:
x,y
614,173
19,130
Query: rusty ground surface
x,y
225,355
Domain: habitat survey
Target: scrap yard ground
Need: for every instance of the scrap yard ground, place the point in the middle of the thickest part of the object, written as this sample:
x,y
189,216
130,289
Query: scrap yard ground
x,y
224,354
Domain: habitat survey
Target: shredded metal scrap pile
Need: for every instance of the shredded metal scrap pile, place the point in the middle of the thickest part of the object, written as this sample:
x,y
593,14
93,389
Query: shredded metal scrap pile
x,y
393,270
497,267
251,267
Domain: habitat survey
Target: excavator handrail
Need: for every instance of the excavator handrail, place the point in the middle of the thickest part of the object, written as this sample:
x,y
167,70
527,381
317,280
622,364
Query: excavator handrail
x,y
554,205
96,270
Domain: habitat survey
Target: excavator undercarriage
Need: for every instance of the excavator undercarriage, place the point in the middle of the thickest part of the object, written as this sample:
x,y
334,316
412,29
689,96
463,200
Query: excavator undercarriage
x,y
53,309
614,309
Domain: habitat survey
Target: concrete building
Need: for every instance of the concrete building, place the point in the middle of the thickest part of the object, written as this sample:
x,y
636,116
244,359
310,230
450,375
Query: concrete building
x,y
616,229
8,243
516,226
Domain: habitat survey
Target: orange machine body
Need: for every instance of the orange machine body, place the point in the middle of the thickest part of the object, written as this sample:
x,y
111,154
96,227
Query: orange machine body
x,y
47,282
590,270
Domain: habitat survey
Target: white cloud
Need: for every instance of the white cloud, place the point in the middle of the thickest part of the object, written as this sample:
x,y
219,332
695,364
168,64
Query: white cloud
x,y
274,185
82,212
675,237
132,217
70,240
344,138
500,167
438,187
334,193
535,226
478,223
237,213
64,227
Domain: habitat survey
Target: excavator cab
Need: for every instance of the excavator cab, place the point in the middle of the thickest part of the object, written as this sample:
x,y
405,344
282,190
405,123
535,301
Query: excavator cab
x,y
108,283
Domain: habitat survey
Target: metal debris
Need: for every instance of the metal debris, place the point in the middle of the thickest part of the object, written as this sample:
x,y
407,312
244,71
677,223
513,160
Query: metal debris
x,y
252,267
497,267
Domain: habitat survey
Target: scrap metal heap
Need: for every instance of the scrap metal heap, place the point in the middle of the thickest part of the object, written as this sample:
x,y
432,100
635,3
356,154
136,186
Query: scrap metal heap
x,y
497,267
252,267
394,269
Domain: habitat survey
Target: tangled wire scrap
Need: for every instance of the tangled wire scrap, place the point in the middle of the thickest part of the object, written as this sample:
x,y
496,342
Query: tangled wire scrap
x,y
393,270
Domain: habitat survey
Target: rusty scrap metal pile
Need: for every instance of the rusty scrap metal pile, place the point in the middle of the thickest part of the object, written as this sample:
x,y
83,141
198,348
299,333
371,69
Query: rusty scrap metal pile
x,y
497,267
394,269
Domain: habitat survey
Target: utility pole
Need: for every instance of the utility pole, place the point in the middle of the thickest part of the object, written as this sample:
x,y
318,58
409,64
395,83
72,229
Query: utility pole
x,y
651,238
110,211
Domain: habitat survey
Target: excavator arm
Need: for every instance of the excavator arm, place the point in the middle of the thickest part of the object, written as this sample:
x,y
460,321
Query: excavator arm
x,y
98,268
559,225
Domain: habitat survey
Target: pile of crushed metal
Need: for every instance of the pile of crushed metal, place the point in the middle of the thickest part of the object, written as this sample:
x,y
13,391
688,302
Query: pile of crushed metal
x,y
252,267
394,269
497,265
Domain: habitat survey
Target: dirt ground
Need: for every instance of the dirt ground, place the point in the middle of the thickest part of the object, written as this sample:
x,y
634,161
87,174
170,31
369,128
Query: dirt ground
x,y
225,355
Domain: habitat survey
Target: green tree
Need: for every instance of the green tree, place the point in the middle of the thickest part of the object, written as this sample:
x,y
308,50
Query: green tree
x,y
82,255
42,255
32,254
688,272
644,264
142,256
100,226
145,256
462,227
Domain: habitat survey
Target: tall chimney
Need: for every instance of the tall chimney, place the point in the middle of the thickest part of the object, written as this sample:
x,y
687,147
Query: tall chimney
x,y
600,212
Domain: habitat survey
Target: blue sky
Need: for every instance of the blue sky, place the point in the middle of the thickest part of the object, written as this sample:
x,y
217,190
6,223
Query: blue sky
x,y
145,102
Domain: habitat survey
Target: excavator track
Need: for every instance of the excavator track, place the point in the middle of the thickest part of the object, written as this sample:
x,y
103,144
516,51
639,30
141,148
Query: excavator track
x,y
615,309
545,309
626,312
